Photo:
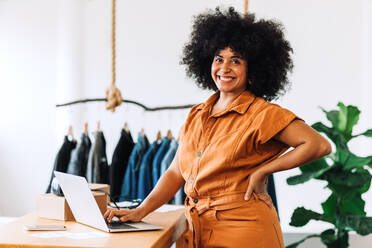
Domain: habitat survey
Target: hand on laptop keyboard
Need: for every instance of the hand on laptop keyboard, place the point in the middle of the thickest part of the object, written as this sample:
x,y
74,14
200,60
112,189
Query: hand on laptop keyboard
x,y
124,215
114,220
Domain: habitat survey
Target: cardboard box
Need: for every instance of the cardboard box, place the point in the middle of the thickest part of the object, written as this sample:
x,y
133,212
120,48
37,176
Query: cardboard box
x,y
55,207
105,187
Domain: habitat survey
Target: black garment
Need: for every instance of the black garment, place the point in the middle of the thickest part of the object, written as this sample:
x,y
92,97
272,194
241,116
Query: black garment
x,y
97,169
79,157
271,191
129,135
119,163
62,158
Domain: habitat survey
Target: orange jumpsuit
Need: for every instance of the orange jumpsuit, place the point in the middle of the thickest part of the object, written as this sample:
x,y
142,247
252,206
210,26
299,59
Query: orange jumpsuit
x,y
217,154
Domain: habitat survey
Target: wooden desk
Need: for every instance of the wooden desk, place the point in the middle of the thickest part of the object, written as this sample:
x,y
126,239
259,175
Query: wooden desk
x,y
174,223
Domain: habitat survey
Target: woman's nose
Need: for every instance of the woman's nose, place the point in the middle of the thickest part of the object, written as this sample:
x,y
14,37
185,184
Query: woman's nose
x,y
225,67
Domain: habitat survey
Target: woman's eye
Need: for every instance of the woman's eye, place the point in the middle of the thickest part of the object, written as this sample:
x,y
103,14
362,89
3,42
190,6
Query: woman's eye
x,y
218,60
235,61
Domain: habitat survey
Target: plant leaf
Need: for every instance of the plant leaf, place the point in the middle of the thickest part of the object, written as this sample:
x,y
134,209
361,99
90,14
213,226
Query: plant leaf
x,y
365,187
332,133
342,154
320,127
348,117
345,186
329,207
332,116
330,239
294,245
342,117
328,236
340,190
361,224
367,133
306,176
314,166
298,179
301,216
353,205
354,161
354,179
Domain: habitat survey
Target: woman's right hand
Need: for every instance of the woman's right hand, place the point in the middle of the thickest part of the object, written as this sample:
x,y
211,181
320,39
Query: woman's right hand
x,y
133,215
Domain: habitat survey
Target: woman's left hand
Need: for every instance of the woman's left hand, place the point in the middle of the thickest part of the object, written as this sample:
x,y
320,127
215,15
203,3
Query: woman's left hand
x,y
257,184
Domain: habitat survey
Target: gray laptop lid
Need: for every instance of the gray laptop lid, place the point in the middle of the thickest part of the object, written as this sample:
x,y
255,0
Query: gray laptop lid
x,y
81,201
84,207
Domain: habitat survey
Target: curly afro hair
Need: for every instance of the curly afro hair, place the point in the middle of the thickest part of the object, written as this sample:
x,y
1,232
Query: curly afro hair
x,y
260,42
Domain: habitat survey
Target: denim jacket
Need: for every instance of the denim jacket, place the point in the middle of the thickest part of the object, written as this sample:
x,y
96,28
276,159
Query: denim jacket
x,y
129,186
156,163
169,155
145,172
180,196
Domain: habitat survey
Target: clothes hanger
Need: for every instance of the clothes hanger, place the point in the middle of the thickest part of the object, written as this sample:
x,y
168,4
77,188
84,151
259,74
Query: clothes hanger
x,y
142,132
98,126
86,128
158,136
169,134
125,127
70,134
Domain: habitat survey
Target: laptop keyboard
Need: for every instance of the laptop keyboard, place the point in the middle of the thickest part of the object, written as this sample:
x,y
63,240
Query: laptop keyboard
x,y
120,225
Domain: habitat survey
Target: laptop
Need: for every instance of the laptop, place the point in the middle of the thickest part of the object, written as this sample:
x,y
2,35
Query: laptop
x,y
85,208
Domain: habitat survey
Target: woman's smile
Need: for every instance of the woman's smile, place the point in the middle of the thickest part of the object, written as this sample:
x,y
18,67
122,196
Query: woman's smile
x,y
225,79
229,72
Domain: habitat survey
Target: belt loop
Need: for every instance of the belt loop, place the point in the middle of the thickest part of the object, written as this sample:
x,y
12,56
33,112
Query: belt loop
x,y
215,214
208,202
255,196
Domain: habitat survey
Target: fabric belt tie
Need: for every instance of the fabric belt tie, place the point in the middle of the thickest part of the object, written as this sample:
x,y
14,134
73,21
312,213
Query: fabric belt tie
x,y
197,206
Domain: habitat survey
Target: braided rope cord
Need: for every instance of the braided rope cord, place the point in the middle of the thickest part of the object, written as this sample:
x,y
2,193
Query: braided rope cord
x,y
113,94
245,7
113,42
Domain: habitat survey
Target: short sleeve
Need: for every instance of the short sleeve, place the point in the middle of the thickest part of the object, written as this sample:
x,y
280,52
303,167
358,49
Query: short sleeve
x,y
271,120
181,134
183,131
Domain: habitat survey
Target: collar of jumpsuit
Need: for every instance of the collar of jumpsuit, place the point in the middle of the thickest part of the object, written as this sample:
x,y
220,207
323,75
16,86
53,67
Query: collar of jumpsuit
x,y
218,152
239,105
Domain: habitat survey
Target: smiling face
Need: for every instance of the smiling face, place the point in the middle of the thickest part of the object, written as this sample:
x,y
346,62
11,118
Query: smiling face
x,y
229,71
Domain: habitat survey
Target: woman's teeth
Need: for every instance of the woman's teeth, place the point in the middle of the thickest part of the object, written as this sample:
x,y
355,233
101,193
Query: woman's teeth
x,y
224,78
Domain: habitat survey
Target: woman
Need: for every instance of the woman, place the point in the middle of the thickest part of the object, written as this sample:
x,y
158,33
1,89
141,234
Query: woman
x,y
232,142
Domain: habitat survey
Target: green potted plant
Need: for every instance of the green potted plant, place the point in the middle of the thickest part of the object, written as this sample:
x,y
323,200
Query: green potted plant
x,y
347,178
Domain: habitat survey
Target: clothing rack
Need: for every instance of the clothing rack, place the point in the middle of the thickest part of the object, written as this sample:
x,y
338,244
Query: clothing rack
x,y
135,168
126,101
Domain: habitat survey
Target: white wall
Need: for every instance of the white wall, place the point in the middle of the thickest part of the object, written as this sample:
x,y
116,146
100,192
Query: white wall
x,y
327,38
27,97
330,41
